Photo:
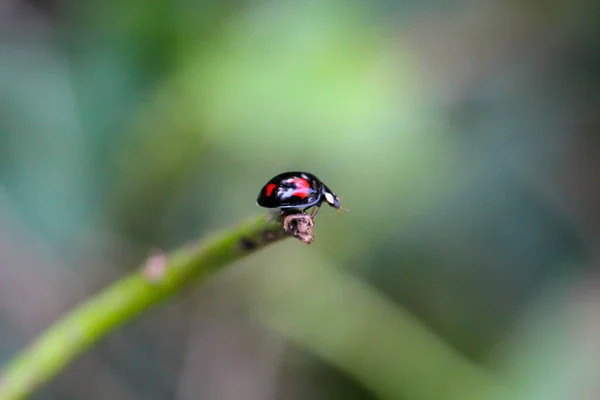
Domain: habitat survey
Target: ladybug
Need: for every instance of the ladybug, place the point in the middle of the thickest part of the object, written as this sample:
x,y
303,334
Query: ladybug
x,y
292,191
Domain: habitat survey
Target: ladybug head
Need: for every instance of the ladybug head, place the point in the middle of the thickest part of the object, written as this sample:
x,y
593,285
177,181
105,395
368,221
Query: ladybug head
x,y
332,200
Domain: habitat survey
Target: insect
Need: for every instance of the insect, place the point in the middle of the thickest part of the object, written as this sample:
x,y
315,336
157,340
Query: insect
x,y
291,191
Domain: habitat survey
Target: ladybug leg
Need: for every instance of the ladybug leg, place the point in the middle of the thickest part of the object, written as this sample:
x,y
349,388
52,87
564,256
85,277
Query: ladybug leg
x,y
284,212
315,211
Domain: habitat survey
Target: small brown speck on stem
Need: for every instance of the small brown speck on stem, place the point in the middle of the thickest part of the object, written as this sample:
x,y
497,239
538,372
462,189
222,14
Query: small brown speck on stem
x,y
268,236
155,267
300,226
248,244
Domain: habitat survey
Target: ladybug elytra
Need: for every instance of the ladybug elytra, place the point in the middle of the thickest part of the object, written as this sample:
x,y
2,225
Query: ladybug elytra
x,y
296,191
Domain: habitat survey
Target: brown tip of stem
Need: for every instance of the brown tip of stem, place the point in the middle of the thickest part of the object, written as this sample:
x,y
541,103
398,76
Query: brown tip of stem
x,y
300,226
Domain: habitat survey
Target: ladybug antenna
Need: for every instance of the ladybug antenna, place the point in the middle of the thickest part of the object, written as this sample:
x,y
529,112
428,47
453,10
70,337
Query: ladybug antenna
x,y
339,207
339,210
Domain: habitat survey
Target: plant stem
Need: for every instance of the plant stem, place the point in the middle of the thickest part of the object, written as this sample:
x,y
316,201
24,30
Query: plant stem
x,y
328,312
162,275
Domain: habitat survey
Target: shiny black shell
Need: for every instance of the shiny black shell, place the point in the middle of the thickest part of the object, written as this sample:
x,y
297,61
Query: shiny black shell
x,y
293,190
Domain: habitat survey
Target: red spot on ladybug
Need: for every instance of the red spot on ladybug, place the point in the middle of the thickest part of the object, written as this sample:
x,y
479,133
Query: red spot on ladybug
x,y
270,188
302,187
296,191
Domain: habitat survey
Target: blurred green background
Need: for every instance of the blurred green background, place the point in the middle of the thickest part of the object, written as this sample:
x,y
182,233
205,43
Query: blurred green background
x,y
462,135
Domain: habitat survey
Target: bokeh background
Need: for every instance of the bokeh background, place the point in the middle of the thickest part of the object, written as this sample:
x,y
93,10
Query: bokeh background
x,y
463,137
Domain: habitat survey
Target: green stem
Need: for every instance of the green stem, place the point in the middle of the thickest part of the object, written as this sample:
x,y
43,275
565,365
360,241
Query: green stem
x,y
162,276
328,312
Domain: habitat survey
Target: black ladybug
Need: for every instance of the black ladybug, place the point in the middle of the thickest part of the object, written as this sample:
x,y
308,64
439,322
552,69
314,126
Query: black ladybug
x,y
296,191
